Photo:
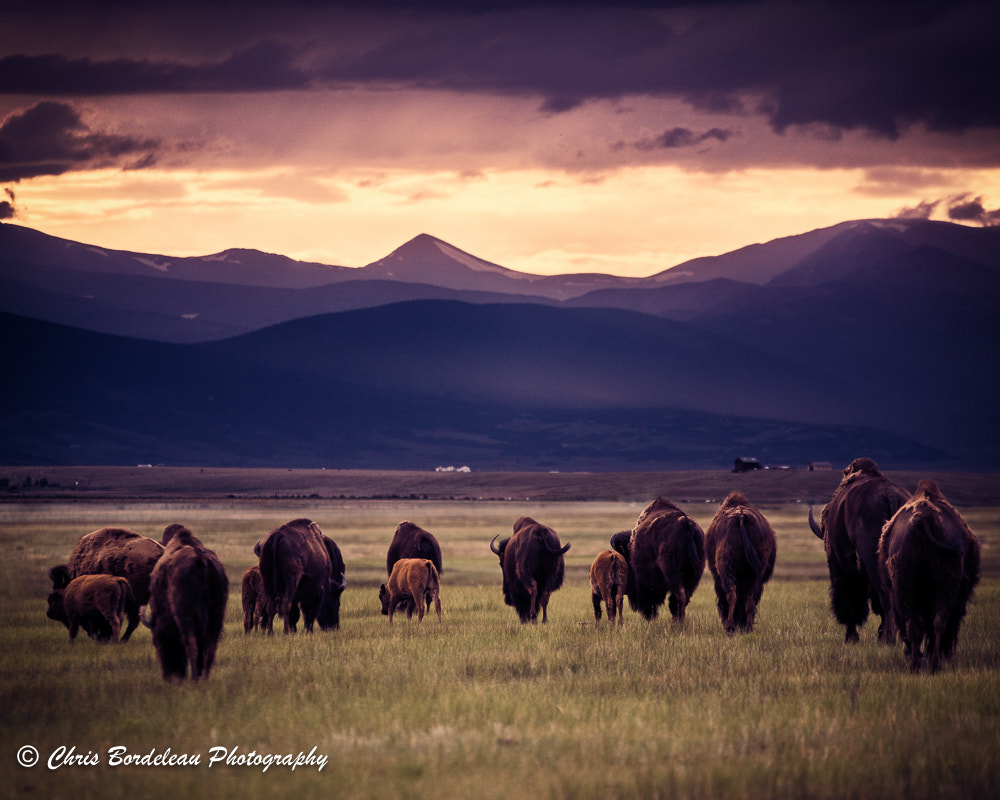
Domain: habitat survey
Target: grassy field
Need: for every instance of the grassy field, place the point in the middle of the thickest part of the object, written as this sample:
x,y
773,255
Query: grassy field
x,y
479,706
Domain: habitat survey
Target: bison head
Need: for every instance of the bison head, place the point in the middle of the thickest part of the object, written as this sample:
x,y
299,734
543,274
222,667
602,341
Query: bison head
x,y
57,610
60,576
620,543
499,548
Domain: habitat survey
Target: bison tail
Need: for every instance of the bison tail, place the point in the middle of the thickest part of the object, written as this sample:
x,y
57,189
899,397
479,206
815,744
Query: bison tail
x,y
745,521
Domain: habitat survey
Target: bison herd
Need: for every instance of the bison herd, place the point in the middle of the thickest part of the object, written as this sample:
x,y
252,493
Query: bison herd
x,y
911,558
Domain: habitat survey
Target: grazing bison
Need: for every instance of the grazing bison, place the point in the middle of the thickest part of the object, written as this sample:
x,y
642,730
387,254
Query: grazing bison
x,y
740,546
412,583
850,527
412,541
258,610
187,605
533,568
96,603
608,579
666,555
113,551
302,571
930,566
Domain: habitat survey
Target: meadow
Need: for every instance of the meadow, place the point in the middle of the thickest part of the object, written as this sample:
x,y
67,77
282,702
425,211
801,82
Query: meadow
x,y
479,706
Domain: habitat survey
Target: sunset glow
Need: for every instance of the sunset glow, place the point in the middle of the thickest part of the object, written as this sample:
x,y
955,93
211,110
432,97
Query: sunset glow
x,y
547,138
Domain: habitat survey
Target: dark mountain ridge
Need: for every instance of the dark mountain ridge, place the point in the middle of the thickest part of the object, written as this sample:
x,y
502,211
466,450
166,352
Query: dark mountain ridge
x,y
871,336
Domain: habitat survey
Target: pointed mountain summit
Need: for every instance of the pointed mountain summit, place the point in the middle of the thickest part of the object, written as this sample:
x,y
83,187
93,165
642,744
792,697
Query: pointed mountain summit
x,y
427,259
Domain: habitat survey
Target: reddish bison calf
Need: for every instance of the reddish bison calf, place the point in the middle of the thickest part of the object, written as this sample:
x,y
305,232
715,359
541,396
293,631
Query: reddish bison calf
x,y
96,603
413,582
608,580
740,546
258,610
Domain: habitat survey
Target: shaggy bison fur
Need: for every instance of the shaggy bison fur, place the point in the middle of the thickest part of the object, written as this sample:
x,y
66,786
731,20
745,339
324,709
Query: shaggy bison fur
x,y
608,579
740,547
303,571
850,527
930,566
258,610
96,603
666,556
533,568
113,551
187,606
412,584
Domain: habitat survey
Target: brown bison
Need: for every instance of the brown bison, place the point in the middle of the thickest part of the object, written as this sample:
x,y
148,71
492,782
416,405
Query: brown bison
x,y
666,556
532,564
113,551
930,566
608,579
96,603
303,571
412,541
740,547
258,611
850,527
187,605
412,583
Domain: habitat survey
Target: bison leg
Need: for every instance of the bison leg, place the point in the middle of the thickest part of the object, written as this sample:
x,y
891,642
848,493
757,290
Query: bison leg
x,y
848,598
731,602
619,605
132,612
437,604
595,598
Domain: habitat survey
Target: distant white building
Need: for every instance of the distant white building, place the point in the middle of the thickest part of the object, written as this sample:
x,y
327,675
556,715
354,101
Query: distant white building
x,y
452,469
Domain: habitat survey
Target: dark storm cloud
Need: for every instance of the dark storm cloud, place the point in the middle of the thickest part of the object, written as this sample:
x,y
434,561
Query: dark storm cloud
x,y
964,209
680,137
266,66
828,65
50,138
959,208
880,67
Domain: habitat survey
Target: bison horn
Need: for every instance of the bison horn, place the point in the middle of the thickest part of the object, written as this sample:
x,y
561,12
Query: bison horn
x,y
493,545
812,524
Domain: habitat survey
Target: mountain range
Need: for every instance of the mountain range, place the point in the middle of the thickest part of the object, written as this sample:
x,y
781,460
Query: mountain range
x,y
871,337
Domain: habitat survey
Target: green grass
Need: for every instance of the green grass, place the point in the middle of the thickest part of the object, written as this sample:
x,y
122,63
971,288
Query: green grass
x,y
480,706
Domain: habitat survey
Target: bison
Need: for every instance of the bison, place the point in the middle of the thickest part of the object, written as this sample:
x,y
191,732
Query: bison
x,y
929,561
740,547
532,564
187,605
608,579
412,541
302,571
412,583
666,556
113,551
96,603
850,527
258,610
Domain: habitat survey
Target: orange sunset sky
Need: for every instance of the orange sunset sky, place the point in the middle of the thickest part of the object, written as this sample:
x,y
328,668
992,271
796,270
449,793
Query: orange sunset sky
x,y
546,137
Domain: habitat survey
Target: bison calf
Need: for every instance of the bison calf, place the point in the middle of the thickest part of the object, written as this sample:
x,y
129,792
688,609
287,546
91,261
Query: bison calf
x,y
258,610
96,603
413,582
740,547
608,579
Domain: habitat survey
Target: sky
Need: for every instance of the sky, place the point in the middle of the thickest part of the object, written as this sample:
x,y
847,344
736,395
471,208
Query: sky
x,y
622,137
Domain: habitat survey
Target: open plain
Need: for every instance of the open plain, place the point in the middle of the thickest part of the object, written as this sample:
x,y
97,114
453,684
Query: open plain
x,y
479,706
